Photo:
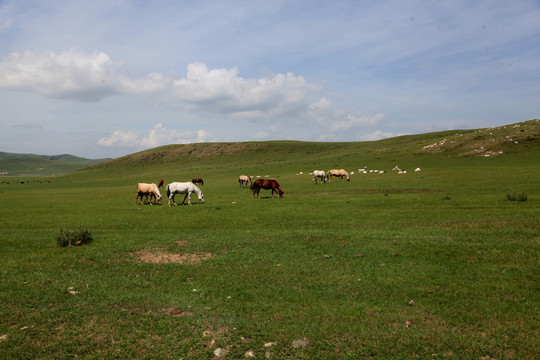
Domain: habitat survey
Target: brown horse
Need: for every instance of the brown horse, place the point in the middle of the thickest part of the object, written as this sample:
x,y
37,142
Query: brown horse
x,y
244,180
144,189
267,184
197,181
337,173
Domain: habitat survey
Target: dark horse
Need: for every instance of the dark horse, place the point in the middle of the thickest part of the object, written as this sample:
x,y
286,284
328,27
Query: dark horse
x,y
197,181
267,184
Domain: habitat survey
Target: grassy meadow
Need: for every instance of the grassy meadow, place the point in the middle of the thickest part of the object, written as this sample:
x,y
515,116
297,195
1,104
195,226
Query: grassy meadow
x,y
430,264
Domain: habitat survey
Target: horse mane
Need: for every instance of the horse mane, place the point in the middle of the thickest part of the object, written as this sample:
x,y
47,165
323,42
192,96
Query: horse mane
x,y
160,183
197,190
156,188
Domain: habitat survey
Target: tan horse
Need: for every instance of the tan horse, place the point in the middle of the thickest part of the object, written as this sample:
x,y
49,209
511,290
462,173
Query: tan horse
x,y
244,180
144,189
337,173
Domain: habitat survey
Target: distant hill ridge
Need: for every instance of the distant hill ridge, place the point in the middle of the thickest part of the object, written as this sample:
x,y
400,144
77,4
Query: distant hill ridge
x,y
487,142
518,139
43,165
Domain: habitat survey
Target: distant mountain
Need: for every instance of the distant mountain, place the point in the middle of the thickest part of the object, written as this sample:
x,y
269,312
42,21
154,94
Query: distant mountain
x,y
43,165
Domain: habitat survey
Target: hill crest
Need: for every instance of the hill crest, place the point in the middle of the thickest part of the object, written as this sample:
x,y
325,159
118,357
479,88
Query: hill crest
x,y
486,142
18,164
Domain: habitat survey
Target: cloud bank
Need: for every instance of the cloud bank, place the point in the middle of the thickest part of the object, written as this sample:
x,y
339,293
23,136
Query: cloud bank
x,y
220,93
158,136
72,75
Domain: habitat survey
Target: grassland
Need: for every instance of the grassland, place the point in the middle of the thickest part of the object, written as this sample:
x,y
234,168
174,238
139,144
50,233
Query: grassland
x,y
430,264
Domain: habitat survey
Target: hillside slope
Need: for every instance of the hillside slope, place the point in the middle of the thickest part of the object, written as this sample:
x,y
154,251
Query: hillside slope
x,y
520,140
43,165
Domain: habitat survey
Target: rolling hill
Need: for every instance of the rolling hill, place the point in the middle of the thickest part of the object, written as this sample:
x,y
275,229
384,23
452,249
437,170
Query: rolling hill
x,y
506,143
42,165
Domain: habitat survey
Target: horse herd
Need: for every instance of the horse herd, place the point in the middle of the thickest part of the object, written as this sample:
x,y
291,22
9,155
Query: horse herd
x,y
152,191
322,176
145,190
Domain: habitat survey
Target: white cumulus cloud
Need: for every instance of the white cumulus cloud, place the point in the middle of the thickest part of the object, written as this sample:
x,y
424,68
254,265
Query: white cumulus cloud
x,y
282,100
224,91
158,136
72,75
323,114
121,139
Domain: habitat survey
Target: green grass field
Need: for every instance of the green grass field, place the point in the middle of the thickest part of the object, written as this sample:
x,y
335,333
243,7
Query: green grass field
x,y
430,264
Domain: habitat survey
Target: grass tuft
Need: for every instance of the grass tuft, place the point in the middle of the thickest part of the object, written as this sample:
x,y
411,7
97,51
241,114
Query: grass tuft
x,y
516,196
73,238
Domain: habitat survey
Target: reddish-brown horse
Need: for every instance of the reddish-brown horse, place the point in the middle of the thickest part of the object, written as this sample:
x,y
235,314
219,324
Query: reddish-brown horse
x,y
197,181
267,184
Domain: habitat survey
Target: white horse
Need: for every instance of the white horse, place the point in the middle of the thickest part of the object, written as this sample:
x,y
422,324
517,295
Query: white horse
x,y
244,180
183,188
318,174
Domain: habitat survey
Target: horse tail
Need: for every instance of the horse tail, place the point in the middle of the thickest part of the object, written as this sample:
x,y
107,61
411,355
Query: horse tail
x,y
168,190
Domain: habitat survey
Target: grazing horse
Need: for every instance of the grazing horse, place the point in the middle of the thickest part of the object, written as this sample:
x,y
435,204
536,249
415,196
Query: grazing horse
x,y
197,181
319,174
267,184
183,188
144,189
337,173
160,183
244,180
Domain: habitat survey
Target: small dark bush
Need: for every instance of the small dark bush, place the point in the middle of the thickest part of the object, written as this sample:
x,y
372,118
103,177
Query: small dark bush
x,y
73,238
516,196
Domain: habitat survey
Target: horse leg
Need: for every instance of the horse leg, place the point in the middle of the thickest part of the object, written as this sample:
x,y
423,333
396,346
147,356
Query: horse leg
x,y
171,197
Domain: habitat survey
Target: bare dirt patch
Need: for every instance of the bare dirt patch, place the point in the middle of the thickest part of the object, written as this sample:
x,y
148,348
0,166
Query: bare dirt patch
x,y
159,256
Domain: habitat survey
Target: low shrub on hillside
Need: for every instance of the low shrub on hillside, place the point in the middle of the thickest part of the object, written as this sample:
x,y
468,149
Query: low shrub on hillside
x,y
73,238
516,196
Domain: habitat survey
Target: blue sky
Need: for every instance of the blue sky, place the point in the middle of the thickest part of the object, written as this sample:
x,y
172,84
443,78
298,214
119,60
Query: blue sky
x,y
108,78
